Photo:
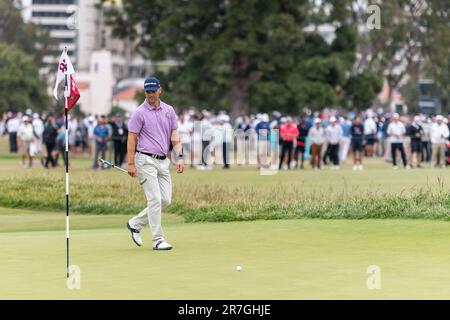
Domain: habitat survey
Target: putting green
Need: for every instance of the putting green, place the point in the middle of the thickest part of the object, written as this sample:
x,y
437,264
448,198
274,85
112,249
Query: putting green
x,y
283,259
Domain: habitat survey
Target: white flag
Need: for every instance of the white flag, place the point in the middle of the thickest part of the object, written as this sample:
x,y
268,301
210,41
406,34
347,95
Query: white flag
x,y
64,67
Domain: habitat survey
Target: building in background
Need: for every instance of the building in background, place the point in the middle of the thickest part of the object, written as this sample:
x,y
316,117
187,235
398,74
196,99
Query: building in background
x,y
101,61
395,103
57,16
98,82
124,96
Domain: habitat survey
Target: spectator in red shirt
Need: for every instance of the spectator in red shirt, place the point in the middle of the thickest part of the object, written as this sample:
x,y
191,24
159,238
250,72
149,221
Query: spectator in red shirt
x,y
288,133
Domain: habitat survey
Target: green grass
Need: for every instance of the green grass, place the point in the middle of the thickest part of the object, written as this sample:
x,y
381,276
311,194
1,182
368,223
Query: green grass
x,y
239,194
288,259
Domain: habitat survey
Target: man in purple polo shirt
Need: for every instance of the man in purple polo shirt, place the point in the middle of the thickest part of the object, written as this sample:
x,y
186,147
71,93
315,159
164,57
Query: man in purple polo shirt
x,y
151,129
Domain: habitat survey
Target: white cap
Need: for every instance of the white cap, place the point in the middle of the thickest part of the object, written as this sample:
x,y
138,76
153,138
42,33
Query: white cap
x,y
265,117
35,115
396,116
416,119
223,117
439,118
26,118
283,120
91,119
333,119
288,119
273,124
317,120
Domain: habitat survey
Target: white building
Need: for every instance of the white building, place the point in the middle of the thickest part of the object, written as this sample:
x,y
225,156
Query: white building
x,y
100,60
96,84
59,17
125,95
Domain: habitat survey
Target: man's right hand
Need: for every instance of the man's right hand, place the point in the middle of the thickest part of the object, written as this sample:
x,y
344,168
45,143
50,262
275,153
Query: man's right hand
x,y
132,170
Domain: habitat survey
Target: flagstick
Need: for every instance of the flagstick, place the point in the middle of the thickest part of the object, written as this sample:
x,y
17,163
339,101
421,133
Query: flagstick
x,y
67,166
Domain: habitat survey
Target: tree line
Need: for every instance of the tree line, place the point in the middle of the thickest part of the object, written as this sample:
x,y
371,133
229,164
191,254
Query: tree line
x,y
254,55
259,55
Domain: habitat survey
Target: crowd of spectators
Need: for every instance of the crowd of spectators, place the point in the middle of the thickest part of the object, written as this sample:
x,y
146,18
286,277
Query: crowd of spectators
x,y
276,140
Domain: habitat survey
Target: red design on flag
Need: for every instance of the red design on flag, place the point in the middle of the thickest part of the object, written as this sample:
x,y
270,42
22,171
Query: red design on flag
x,y
63,65
74,94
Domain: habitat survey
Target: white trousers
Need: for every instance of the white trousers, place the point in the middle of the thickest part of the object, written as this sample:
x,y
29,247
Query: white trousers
x,y
154,178
343,149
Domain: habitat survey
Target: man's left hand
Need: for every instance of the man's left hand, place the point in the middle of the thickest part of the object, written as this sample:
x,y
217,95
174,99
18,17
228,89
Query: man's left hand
x,y
180,166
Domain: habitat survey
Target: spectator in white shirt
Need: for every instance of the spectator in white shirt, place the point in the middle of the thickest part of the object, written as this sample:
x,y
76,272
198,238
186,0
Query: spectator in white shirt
x,y
207,129
217,140
439,133
2,124
12,126
370,134
90,124
396,132
317,137
26,136
36,145
333,135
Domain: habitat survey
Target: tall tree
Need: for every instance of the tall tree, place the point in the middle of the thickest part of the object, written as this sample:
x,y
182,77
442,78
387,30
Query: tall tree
x,y
252,55
29,37
413,32
20,83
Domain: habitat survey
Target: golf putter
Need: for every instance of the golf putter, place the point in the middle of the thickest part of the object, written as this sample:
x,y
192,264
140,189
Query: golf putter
x,y
109,164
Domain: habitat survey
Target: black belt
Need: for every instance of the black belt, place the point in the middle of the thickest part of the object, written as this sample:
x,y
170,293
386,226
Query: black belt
x,y
152,155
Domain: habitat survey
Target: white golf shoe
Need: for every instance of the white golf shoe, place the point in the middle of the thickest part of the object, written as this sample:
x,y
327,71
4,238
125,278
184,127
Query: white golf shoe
x,y
161,244
135,235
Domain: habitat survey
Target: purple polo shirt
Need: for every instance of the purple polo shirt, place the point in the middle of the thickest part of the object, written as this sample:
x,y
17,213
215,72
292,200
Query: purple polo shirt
x,y
154,127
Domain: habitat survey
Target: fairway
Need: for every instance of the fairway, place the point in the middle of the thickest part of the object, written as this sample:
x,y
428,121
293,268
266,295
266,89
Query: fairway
x,y
286,259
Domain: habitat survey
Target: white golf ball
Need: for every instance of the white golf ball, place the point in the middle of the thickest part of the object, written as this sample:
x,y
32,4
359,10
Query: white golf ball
x,y
238,268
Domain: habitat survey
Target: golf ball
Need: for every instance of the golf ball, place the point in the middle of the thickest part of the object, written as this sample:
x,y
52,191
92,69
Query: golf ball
x,y
238,268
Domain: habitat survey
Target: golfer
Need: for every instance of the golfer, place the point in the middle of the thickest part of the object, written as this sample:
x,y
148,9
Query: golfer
x,y
151,129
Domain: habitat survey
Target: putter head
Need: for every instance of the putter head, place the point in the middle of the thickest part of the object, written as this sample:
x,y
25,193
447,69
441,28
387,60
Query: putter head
x,y
104,163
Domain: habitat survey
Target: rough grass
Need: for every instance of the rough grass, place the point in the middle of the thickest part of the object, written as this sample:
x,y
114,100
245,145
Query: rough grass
x,y
201,199
235,195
